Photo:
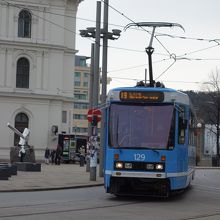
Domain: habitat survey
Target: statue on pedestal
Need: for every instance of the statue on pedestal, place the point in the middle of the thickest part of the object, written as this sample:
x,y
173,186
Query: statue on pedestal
x,y
23,151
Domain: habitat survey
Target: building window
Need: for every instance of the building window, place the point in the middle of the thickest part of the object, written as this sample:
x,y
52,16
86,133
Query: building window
x,y
82,62
77,74
79,130
80,96
24,24
21,122
22,75
86,75
85,84
79,117
77,83
64,116
79,105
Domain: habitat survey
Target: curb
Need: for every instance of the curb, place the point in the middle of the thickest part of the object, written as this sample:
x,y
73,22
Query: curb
x,y
51,188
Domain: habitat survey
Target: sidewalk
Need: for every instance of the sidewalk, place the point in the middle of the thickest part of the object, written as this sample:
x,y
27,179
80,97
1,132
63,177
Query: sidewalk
x,y
51,177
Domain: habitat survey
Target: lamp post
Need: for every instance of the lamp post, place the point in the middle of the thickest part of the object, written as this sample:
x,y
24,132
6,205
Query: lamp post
x,y
105,35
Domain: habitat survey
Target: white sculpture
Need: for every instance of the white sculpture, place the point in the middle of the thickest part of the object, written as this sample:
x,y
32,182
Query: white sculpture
x,y
23,139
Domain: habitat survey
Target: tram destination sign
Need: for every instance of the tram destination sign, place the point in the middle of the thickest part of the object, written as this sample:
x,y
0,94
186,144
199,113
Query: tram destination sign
x,y
141,96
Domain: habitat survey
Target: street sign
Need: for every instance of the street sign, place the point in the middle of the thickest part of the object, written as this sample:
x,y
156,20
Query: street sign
x,y
94,112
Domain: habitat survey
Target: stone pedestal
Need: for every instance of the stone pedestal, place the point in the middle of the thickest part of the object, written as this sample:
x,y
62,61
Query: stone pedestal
x,y
26,166
29,154
7,170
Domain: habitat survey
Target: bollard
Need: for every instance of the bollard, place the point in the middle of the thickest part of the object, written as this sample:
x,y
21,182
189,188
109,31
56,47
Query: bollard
x,y
93,165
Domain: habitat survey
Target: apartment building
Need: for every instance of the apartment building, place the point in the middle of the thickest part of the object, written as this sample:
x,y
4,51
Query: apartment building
x,y
81,96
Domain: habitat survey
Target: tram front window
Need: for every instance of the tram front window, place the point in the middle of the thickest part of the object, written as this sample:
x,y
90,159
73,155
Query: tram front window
x,y
140,126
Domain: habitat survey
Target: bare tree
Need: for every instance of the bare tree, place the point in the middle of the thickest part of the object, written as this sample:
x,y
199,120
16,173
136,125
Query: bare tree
x,y
213,106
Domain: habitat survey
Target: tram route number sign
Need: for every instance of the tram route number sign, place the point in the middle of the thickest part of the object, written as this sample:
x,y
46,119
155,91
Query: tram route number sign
x,y
94,112
143,96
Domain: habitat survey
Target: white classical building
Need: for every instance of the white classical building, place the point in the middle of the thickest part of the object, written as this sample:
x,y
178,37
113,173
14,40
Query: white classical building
x,y
37,53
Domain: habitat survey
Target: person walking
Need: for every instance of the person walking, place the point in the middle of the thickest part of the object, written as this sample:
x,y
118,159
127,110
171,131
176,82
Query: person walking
x,y
82,156
47,155
53,155
58,154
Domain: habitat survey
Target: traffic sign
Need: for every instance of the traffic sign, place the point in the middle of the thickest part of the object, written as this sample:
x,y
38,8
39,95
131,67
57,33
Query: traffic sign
x,y
94,112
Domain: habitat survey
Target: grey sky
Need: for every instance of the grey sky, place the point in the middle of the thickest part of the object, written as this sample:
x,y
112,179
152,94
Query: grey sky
x,y
200,18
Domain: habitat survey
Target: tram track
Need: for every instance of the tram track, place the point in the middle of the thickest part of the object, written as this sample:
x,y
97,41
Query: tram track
x,y
61,207
195,217
202,216
61,210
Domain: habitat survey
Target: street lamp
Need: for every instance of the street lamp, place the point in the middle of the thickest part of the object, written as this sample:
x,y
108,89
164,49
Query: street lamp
x,y
91,31
98,33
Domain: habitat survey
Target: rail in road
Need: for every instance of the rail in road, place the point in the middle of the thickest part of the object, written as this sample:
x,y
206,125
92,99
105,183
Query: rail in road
x,y
200,202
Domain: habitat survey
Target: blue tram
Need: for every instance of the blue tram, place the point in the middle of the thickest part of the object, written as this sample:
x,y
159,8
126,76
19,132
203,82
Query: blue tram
x,y
149,141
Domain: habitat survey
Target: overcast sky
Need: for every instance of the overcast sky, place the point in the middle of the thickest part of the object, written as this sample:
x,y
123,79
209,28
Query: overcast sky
x,y
196,52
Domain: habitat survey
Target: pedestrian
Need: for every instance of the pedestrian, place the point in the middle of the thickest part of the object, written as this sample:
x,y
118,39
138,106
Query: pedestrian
x,y
82,156
53,155
47,155
58,154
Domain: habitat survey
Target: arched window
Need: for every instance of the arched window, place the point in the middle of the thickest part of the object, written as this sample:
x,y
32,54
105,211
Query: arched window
x,y
22,74
21,122
24,24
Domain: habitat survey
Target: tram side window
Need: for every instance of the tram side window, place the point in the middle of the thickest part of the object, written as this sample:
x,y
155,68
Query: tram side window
x,y
182,126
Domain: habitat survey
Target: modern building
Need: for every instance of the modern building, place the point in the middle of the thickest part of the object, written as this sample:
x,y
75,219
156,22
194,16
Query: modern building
x,y
81,96
82,76
37,50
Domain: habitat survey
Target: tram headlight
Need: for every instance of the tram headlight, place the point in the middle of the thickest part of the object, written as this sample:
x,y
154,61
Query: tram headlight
x,y
159,166
118,165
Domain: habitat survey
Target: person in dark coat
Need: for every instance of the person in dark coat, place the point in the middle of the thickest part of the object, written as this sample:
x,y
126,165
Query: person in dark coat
x,y
58,154
53,155
47,155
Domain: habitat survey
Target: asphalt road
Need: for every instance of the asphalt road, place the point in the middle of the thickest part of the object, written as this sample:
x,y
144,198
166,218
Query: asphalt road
x,y
201,202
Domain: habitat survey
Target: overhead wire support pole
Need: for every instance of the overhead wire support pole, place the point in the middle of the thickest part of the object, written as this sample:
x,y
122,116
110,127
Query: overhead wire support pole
x,y
93,161
91,80
104,84
97,33
97,56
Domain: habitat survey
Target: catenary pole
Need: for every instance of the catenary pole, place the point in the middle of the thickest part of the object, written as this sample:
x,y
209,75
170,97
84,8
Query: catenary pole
x,y
104,85
96,81
91,81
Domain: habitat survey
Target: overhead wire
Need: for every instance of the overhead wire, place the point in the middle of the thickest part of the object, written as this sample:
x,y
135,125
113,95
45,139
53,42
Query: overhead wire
x,y
133,50
116,25
120,48
169,81
179,57
131,20
60,26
